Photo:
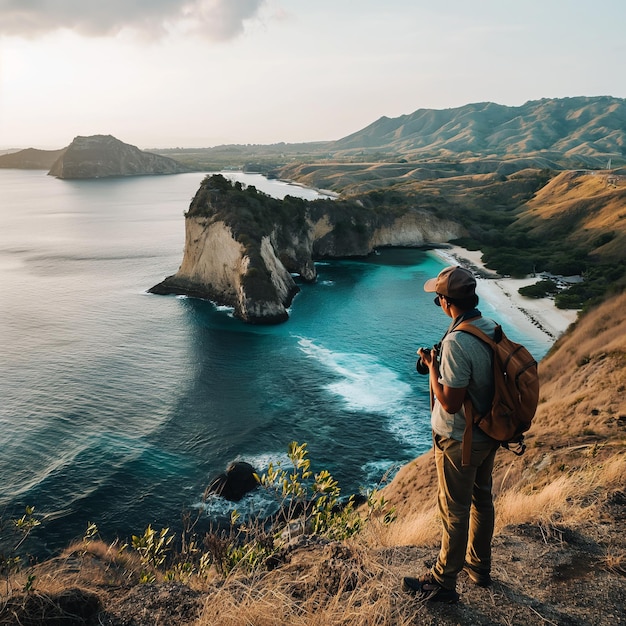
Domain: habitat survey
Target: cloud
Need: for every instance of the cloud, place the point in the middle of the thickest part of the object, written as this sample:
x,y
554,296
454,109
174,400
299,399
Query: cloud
x,y
218,20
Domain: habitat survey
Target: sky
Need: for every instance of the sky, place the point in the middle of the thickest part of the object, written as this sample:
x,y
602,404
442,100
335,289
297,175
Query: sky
x,y
202,73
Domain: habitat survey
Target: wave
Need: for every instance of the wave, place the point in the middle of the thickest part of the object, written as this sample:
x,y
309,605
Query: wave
x,y
366,385
224,307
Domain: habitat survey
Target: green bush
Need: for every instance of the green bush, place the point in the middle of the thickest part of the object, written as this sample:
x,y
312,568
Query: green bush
x,y
540,289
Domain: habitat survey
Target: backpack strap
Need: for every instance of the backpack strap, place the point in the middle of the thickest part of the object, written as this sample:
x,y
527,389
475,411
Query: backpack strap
x,y
471,416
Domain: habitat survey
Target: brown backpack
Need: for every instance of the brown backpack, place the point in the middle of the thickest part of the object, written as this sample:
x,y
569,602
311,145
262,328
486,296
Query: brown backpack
x,y
515,398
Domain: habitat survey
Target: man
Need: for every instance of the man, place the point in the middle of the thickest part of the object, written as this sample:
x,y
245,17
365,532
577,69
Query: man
x,y
461,368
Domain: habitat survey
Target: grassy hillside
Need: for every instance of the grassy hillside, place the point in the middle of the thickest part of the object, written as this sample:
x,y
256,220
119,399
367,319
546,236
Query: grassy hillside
x,y
587,209
559,549
575,224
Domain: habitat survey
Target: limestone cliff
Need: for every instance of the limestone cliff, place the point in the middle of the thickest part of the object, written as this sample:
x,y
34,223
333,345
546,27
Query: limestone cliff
x,y
102,156
243,247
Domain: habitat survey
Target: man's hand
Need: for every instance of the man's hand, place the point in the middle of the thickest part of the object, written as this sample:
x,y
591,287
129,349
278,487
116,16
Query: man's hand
x,y
428,356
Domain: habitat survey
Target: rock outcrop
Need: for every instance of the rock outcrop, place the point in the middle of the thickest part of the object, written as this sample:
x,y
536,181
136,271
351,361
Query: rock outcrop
x,y
242,247
102,156
233,484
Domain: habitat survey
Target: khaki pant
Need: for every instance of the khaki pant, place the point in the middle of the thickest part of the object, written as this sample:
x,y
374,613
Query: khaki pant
x,y
465,507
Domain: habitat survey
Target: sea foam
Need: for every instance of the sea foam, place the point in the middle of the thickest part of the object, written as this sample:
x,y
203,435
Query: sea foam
x,y
366,385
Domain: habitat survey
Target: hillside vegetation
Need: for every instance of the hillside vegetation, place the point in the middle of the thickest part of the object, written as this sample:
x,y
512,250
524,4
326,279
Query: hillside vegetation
x,y
526,222
586,209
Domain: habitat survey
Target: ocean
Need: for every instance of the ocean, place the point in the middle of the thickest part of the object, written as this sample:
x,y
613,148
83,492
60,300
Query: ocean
x,y
119,406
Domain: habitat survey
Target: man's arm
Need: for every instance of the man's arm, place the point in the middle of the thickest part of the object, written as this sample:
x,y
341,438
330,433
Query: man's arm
x,y
450,398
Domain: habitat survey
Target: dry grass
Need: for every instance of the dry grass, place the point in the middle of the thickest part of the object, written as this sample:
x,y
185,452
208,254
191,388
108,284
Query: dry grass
x,y
69,606
349,588
273,604
419,529
547,490
616,563
571,496
585,201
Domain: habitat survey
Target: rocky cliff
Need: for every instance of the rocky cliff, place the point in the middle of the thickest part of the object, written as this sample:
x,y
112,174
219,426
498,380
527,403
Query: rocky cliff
x,y
102,156
242,247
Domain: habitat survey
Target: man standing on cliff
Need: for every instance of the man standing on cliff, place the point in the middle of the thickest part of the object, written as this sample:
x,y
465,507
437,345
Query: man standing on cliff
x,y
460,367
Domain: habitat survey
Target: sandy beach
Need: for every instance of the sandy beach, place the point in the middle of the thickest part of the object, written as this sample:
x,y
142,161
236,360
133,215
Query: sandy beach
x,y
532,315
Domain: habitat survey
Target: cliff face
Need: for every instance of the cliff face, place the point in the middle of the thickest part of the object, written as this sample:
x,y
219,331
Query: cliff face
x,y
101,156
242,247
218,267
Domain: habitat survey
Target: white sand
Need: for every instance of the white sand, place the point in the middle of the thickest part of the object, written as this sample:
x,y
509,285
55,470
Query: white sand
x,y
532,315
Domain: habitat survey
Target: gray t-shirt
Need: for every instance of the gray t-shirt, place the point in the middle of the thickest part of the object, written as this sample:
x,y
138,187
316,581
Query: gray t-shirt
x,y
465,361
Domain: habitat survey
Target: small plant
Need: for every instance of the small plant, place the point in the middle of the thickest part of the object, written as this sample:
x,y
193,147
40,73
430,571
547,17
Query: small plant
x,y
29,585
90,533
26,524
315,504
190,561
378,506
152,547
309,504
17,532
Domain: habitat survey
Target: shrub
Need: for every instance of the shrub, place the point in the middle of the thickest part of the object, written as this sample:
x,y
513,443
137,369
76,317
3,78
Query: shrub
x,y
540,289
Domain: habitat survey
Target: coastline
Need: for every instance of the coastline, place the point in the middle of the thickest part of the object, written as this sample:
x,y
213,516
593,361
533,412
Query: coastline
x,y
533,315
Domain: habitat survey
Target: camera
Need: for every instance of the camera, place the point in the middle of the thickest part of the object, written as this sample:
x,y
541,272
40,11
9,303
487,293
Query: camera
x,y
420,366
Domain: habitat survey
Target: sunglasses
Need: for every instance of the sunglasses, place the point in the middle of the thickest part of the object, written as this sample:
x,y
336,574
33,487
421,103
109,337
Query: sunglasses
x,y
437,300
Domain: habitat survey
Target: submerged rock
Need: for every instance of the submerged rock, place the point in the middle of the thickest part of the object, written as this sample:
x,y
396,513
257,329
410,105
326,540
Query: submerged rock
x,y
233,484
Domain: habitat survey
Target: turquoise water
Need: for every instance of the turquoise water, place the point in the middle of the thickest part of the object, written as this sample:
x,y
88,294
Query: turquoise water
x,y
119,406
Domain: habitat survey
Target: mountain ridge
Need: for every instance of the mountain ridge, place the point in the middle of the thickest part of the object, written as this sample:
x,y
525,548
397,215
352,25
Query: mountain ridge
x,y
30,159
583,127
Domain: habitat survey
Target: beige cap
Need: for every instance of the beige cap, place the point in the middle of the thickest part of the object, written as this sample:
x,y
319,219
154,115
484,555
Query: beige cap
x,y
454,282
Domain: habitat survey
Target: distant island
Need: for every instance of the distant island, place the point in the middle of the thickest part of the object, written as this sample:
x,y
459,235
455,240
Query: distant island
x,y
96,156
30,159
102,156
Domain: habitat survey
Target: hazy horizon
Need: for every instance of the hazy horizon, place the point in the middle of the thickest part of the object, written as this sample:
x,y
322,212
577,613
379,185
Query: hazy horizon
x,y
202,73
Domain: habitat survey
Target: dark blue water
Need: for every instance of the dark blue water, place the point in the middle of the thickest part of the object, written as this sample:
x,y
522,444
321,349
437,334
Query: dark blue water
x,y
117,407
